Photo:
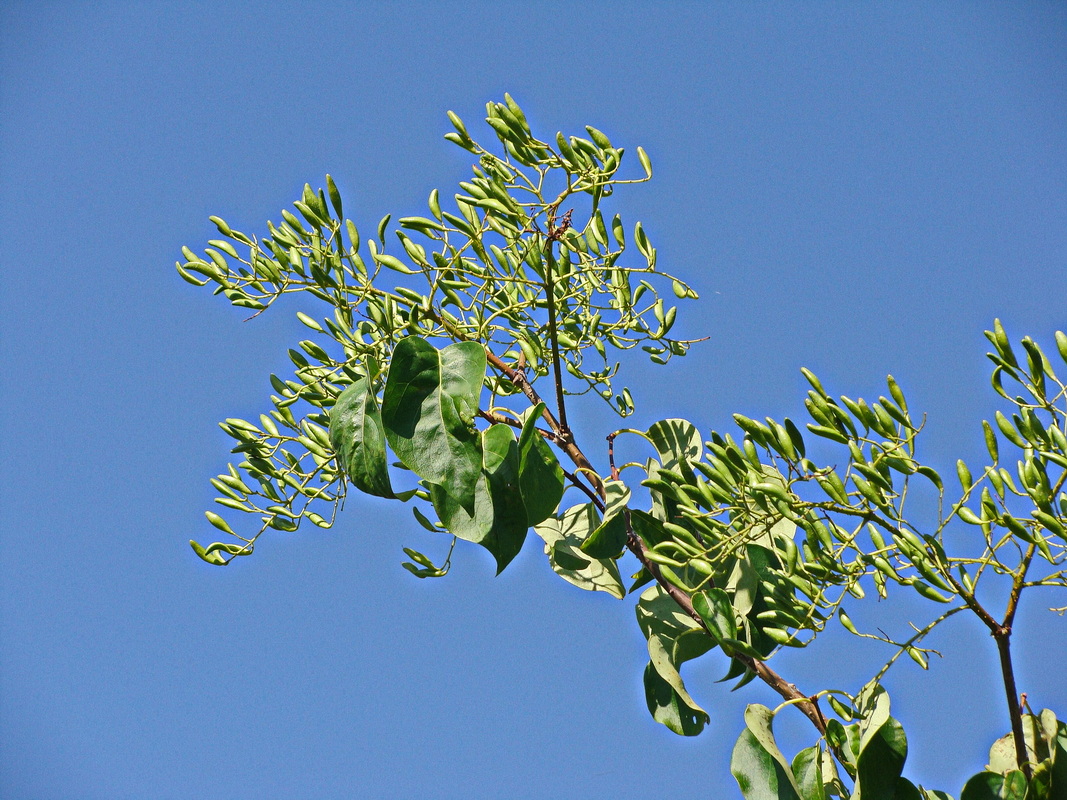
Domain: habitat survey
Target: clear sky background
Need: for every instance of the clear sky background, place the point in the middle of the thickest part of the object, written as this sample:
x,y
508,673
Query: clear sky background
x,y
855,188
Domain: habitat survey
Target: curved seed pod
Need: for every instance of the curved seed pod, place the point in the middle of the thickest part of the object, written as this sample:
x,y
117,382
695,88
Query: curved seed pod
x,y
929,592
1000,341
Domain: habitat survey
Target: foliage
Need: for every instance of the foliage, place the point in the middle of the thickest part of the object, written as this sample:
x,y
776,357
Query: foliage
x,y
744,543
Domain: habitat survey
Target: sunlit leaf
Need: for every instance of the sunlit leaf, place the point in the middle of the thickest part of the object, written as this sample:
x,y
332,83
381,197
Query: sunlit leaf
x,y
757,764
673,638
358,438
428,409
540,475
563,536
499,519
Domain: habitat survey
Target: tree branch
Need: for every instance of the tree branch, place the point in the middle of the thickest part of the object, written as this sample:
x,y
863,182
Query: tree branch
x,y
1002,635
1003,639
636,546
566,443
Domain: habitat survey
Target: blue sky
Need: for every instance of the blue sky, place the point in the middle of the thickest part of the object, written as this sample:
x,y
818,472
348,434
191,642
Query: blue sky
x,y
855,188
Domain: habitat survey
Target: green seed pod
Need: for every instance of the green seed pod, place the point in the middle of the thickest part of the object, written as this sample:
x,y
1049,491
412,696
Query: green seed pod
x,y
218,522
997,482
702,566
1000,341
868,491
782,637
990,441
646,165
846,622
1050,522
845,712
828,433
751,455
926,570
916,656
964,475
880,584
886,568
834,488
1009,431
1061,344
929,592
896,393
674,578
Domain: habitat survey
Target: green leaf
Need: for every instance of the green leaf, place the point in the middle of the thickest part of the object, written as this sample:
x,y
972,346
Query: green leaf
x,y
715,609
872,706
807,770
501,467
608,540
933,794
357,436
671,708
757,764
1002,755
816,774
428,409
906,790
994,786
563,536
498,521
673,638
540,475
883,747
678,443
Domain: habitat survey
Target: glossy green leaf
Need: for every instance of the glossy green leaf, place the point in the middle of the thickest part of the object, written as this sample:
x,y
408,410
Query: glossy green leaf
x,y
1044,737
358,438
540,475
934,794
609,539
670,708
678,443
673,638
808,773
872,707
758,766
498,522
428,409
906,790
883,747
816,775
563,536
715,609
994,786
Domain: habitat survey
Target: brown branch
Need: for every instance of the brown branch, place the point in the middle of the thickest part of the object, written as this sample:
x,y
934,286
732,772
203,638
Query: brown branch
x,y
1003,639
566,443
1002,635
972,602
